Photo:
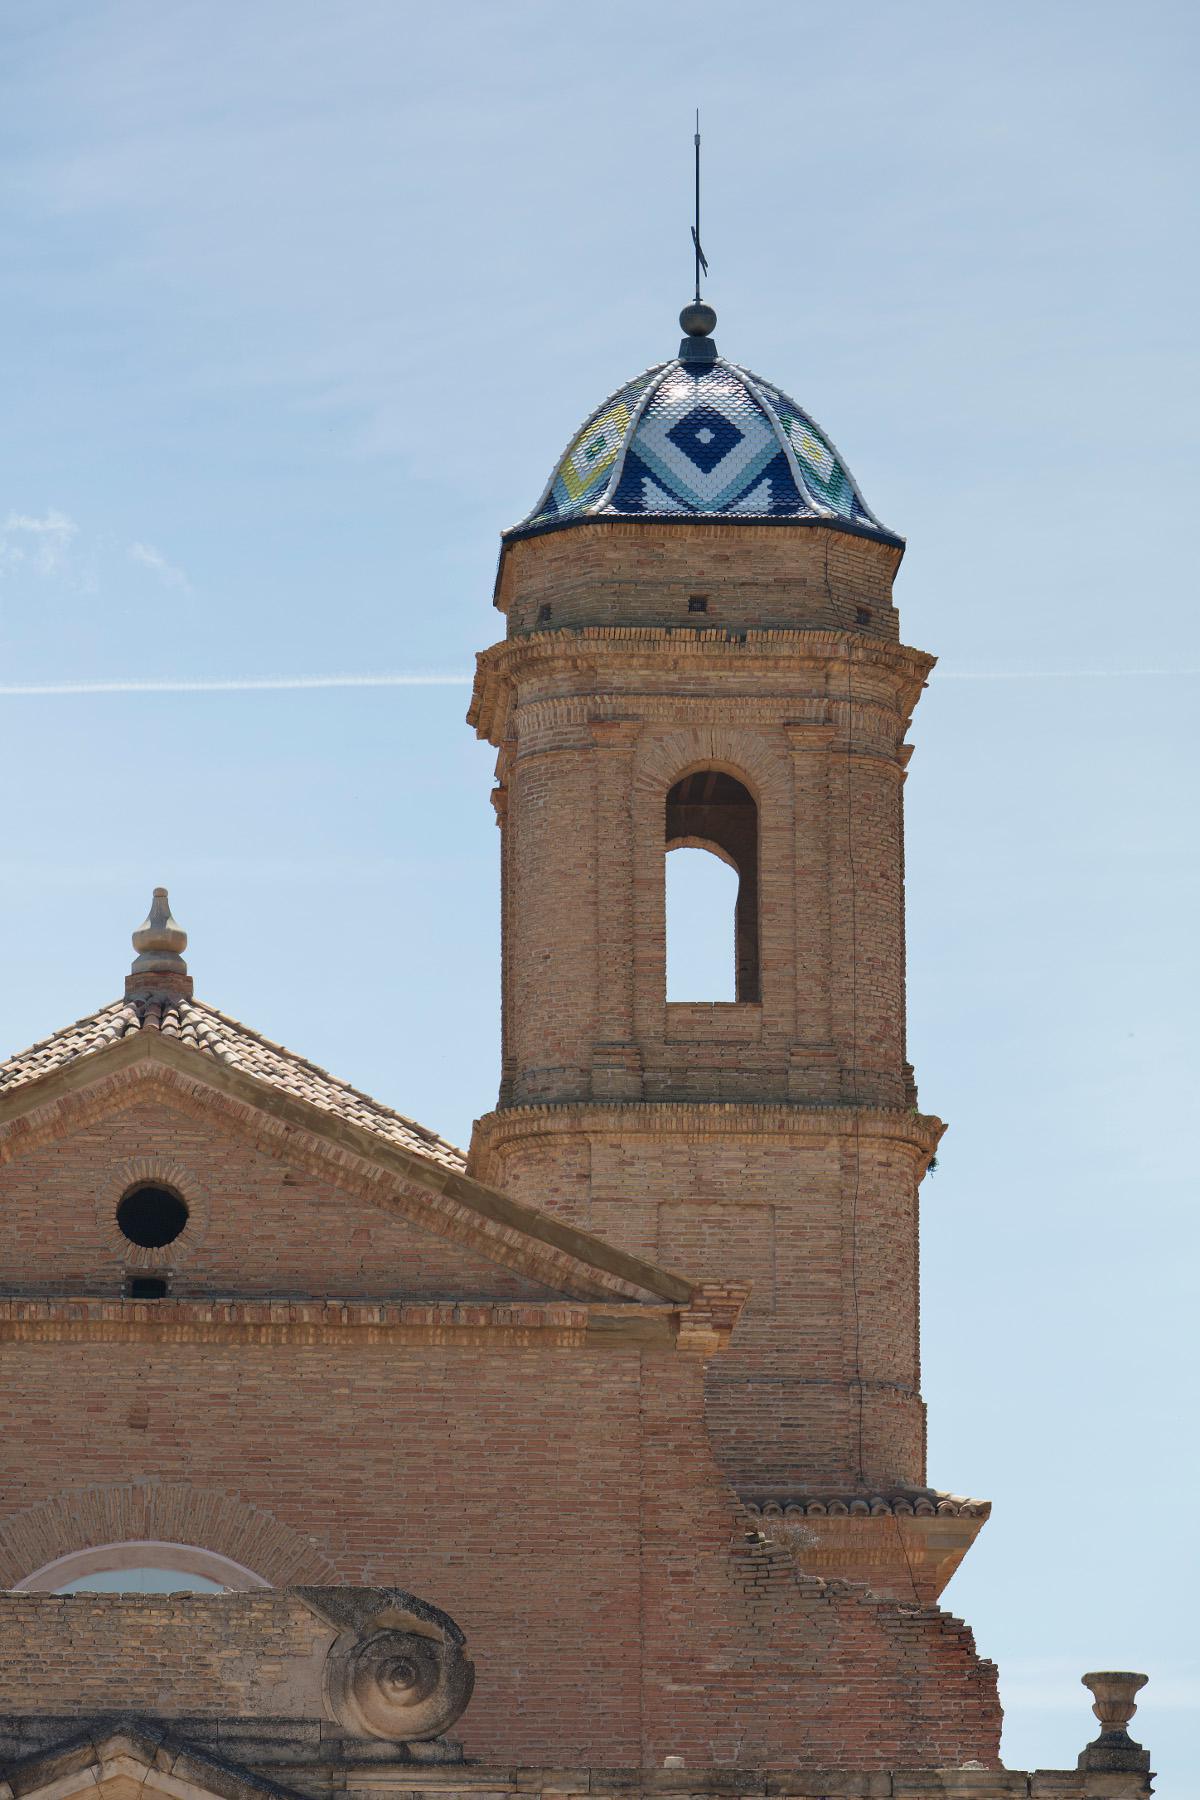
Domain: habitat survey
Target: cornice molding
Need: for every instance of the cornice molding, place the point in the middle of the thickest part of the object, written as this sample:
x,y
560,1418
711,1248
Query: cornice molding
x,y
703,1327
503,664
512,1325
703,1119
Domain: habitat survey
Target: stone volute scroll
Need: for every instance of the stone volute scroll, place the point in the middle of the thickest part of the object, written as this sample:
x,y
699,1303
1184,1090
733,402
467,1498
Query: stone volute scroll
x,y
398,1669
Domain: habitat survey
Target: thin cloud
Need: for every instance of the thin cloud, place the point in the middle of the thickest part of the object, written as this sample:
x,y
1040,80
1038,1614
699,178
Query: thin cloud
x,y
40,544
156,562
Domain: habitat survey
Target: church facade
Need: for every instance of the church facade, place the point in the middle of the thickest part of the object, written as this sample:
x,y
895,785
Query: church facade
x,y
592,1460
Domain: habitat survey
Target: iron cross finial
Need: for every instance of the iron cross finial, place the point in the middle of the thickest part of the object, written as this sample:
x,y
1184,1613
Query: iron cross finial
x,y
701,259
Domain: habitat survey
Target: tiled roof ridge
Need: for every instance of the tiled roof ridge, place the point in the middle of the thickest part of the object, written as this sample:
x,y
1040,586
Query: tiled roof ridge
x,y
205,1028
770,397
921,1503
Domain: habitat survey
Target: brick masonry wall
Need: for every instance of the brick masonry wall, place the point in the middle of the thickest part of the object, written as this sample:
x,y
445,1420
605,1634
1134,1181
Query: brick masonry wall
x,y
504,1487
594,727
257,1227
491,1492
686,1131
818,1216
242,1655
563,1505
614,573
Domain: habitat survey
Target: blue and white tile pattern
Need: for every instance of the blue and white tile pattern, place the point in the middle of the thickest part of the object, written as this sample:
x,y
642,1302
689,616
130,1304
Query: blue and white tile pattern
x,y
705,440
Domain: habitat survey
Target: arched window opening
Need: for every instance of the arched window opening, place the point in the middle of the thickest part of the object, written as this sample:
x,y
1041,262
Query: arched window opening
x,y
701,906
711,813
141,1566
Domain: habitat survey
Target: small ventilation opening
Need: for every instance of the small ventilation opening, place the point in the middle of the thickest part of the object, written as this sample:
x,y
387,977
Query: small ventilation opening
x,y
147,1287
152,1216
545,614
863,615
697,602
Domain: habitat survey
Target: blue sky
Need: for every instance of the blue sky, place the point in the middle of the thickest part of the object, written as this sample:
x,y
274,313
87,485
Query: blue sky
x,y
300,303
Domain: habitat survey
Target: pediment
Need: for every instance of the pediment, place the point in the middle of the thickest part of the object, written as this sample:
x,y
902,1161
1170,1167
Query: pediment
x,y
313,1123
126,1759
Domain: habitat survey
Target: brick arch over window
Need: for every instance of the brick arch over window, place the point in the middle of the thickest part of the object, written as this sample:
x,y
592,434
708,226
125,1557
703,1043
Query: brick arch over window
x,y
749,756
138,1556
170,1512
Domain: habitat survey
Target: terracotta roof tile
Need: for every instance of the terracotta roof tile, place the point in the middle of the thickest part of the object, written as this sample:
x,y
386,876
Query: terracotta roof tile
x,y
202,1028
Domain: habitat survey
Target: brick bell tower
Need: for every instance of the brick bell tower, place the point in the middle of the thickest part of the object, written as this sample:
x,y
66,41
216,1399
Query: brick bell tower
x,y
701,648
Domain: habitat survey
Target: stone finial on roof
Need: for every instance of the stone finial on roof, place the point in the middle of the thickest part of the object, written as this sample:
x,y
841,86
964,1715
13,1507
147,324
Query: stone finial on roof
x,y
159,971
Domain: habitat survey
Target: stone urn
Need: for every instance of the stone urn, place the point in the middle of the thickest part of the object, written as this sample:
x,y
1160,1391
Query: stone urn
x,y
1114,1704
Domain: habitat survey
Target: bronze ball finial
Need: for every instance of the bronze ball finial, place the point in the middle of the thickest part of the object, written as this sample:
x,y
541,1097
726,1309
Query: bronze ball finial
x,y
698,319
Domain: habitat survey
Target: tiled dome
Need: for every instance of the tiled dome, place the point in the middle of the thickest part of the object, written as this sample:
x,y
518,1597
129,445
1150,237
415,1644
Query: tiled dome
x,y
701,437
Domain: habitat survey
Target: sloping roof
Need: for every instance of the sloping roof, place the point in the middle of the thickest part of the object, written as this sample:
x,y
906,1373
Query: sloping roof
x,y
203,1028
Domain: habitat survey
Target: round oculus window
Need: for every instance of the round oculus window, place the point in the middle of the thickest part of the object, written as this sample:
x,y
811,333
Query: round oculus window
x,y
151,1216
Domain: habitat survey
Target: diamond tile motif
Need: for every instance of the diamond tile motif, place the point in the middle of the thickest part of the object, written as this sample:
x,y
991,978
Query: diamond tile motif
x,y
706,443
583,472
703,440
706,436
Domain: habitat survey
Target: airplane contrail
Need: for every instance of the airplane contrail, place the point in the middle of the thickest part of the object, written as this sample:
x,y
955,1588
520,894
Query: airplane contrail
x,y
1051,674
252,684
238,684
